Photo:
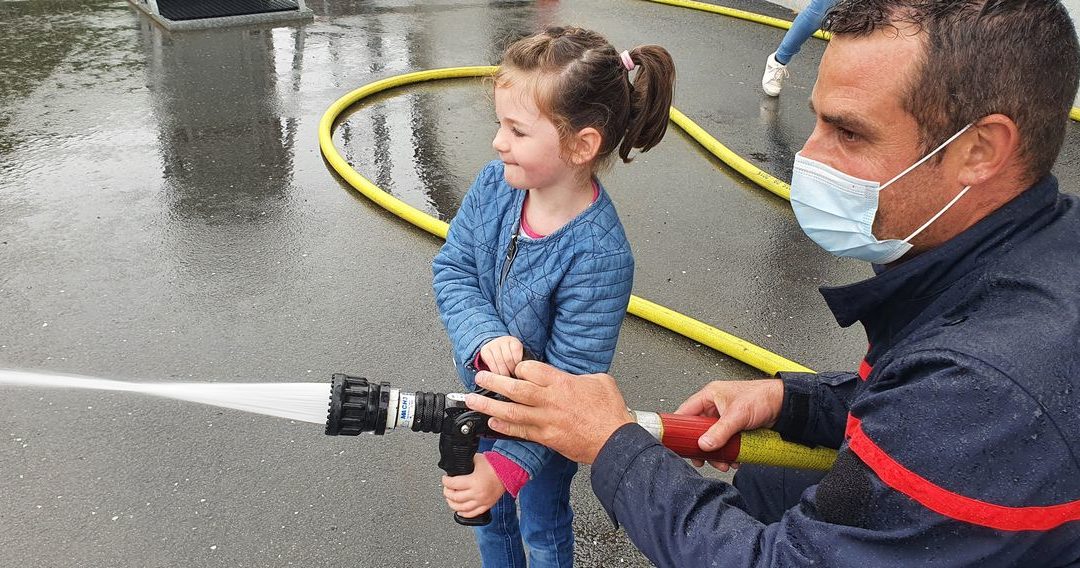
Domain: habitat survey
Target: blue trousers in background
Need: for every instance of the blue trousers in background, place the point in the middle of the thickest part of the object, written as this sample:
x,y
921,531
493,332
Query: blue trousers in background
x,y
806,23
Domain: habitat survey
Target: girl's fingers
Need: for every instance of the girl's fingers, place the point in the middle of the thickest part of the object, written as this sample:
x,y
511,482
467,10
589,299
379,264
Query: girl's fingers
x,y
456,483
473,512
505,357
517,352
460,506
502,357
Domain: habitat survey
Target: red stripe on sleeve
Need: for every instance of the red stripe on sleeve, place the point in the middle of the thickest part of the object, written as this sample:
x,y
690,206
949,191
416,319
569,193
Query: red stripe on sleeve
x,y
954,505
864,369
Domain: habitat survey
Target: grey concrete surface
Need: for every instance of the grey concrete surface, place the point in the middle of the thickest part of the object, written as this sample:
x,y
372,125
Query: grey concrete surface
x,y
165,214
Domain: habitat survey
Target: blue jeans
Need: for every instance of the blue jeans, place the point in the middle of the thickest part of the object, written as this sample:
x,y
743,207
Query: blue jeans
x,y
545,524
806,23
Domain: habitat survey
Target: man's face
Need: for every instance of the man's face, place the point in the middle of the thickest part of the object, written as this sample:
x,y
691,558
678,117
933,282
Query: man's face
x,y
863,130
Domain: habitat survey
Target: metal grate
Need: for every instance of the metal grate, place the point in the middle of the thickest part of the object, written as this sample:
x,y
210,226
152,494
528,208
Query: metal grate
x,y
197,9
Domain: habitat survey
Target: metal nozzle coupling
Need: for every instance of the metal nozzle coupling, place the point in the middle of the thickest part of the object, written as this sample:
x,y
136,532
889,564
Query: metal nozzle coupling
x,y
357,406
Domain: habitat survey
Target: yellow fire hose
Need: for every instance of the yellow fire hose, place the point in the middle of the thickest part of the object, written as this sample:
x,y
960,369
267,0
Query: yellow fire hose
x,y
768,447
705,334
734,13
760,446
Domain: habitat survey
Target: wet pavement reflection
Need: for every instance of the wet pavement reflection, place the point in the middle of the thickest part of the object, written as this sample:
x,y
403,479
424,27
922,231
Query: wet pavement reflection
x,y
165,214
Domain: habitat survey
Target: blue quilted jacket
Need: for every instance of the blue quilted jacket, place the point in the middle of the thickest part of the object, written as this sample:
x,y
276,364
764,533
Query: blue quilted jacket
x,y
564,296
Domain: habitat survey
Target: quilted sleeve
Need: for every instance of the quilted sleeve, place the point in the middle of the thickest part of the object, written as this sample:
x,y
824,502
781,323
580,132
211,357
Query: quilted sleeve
x,y
590,304
470,318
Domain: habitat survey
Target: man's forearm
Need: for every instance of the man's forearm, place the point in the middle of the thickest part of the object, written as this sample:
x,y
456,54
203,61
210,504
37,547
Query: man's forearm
x,y
672,514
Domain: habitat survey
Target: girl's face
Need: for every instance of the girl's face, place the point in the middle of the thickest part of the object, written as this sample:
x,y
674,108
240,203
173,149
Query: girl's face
x,y
527,142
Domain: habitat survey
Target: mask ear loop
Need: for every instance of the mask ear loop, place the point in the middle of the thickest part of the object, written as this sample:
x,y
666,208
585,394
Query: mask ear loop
x,y
939,214
928,156
923,161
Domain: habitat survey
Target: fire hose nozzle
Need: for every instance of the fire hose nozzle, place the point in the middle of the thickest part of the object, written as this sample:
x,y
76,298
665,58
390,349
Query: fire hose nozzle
x,y
358,406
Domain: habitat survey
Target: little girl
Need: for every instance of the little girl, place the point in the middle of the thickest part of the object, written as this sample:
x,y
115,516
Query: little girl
x,y
537,260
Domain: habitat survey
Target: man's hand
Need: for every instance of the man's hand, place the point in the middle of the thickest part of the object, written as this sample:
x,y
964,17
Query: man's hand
x,y
740,406
573,415
471,495
502,354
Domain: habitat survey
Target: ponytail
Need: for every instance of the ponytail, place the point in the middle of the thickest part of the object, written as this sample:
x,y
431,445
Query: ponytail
x,y
650,99
579,80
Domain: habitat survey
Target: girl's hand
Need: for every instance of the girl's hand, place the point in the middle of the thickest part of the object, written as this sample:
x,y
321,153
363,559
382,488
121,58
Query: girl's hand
x,y
502,354
471,495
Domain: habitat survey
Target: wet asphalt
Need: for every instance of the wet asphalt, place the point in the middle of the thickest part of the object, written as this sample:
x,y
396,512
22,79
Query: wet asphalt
x,y
165,214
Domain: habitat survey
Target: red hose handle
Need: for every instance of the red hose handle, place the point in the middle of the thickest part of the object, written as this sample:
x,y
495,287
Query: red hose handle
x,y
681,435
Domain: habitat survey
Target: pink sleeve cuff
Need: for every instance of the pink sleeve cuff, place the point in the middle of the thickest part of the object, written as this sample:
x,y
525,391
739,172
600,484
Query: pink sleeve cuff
x,y
512,476
479,364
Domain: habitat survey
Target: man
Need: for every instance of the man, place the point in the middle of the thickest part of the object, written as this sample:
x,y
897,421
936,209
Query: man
x,y
959,437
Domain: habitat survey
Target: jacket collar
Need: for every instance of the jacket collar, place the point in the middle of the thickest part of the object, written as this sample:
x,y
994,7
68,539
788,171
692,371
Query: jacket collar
x,y
933,271
598,207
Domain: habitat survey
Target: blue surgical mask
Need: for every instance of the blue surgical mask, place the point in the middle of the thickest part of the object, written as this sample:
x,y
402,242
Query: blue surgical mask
x,y
837,211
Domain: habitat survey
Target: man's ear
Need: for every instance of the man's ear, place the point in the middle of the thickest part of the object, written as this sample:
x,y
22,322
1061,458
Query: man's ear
x,y
991,151
585,146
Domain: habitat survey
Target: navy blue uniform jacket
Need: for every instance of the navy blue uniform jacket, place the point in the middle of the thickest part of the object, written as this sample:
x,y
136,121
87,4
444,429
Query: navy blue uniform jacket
x,y
958,436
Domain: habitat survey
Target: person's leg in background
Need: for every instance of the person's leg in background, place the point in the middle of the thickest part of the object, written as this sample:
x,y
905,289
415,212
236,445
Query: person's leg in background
x,y
806,23
547,521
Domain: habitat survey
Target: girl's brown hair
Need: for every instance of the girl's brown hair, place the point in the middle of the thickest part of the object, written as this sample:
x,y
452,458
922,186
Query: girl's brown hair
x,y
579,80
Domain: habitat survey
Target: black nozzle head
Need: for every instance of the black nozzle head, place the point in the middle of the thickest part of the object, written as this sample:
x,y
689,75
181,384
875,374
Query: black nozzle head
x,y
356,406
337,396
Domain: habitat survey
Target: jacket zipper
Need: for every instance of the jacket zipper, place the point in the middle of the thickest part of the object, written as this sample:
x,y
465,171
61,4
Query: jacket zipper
x,y
511,253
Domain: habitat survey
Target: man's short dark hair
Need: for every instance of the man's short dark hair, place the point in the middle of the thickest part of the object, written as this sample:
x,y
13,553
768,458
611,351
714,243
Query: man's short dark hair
x,y
1019,58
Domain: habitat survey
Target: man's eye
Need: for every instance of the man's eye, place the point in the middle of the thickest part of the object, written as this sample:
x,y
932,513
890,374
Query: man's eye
x,y
847,135
517,132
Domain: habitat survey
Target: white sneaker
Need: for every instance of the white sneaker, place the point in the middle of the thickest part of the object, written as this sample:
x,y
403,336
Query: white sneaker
x,y
773,80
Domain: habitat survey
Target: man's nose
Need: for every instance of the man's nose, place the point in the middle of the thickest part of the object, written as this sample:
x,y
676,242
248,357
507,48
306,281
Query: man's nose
x,y
813,147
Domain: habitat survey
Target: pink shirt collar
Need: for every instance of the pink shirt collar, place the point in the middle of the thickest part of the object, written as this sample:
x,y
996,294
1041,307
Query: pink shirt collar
x,y
525,228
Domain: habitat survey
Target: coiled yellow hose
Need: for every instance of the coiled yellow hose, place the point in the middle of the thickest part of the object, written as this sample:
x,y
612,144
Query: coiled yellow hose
x,y
691,328
757,446
740,14
698,331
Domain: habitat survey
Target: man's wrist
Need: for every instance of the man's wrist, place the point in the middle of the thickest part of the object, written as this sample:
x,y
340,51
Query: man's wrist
x,y
794,414
776,399
604,435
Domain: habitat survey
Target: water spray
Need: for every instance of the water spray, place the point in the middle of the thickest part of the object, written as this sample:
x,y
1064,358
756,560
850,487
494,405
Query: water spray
x,y
358,406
